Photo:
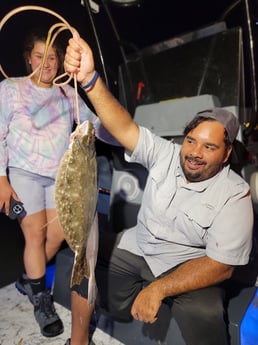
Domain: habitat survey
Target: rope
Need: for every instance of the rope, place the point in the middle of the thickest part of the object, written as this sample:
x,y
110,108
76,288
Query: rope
x,y
59,27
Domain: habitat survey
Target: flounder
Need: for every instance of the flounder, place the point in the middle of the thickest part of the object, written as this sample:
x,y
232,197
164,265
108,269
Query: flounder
x,y
76,195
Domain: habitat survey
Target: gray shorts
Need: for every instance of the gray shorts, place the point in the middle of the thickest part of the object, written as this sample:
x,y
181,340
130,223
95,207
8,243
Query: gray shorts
x,y
35,191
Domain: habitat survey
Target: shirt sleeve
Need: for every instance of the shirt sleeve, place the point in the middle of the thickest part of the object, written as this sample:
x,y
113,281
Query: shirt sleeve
x,y
151,150
4,115
100,131
230,236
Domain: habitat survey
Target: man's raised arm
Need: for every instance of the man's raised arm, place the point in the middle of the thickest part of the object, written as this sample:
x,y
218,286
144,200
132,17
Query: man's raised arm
x,y
79,60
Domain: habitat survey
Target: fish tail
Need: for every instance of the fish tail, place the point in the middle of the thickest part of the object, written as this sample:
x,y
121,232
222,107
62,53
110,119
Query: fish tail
x,y
92,286
91,257
79,270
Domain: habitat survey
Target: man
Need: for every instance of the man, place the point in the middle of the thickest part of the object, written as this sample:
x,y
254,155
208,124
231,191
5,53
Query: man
x,y
194,225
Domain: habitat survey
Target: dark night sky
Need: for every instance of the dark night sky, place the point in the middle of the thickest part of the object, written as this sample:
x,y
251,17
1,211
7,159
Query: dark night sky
x,y
148,23
152,22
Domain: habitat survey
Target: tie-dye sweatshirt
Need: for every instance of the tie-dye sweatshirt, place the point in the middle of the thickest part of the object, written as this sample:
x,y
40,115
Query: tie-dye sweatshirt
x,y
35,125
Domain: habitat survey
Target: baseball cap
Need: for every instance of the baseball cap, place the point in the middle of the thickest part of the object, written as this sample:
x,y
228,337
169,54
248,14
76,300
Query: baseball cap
x,y
226,118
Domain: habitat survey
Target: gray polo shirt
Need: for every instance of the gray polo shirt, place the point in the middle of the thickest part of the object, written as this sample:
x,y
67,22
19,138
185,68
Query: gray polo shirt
x,y
179,221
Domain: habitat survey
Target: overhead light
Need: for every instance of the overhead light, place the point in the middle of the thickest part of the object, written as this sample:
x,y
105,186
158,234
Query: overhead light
x,y
126,2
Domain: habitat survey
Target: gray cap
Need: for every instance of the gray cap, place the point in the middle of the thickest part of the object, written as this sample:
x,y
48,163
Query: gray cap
x,y
226,118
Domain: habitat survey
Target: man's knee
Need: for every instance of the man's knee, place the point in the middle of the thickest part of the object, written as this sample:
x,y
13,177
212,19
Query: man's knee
x,y
200,315
205,304
205,309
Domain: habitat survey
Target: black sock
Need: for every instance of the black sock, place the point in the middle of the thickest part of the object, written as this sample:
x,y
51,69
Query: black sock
x,y
38,285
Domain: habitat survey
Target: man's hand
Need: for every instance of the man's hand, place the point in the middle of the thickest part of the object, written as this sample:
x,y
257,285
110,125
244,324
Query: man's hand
x,y
189,276
79,59
146,305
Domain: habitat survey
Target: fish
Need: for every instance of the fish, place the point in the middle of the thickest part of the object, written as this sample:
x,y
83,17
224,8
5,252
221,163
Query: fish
x,y
76,194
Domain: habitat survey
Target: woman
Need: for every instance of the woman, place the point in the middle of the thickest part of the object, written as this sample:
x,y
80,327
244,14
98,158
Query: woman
x,y
36,122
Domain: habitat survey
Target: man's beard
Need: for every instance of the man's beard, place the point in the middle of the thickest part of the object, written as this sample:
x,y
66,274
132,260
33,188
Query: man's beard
x,y
198,176
191,176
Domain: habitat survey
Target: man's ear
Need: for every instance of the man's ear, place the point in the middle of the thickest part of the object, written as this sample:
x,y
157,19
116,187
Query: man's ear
x,y
227,154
